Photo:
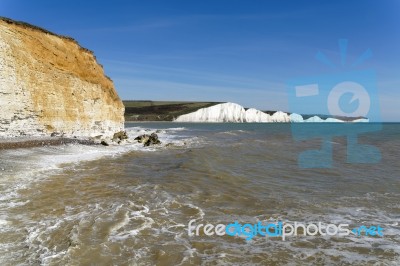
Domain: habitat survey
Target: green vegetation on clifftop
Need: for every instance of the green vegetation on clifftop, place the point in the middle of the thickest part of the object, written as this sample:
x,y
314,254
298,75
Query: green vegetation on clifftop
x,y
160,110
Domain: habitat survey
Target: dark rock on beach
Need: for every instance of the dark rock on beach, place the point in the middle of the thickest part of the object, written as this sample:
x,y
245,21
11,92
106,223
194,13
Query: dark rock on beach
x,y
120,136
104,143
148,140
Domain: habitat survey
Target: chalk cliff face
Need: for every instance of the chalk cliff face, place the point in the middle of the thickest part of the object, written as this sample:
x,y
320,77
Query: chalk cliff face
x,y
49,84
235,113
232,112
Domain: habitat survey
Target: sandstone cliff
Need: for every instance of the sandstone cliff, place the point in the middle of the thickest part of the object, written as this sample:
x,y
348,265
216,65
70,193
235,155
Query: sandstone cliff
x,y
49,84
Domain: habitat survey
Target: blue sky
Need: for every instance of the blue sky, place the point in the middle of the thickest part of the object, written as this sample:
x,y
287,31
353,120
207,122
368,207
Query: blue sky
x,y
225,50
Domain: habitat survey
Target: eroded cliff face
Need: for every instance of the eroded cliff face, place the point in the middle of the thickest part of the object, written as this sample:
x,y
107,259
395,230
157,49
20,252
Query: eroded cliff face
x,y
49,84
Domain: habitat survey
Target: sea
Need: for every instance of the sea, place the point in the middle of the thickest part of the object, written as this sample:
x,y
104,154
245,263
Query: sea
x,y
161,205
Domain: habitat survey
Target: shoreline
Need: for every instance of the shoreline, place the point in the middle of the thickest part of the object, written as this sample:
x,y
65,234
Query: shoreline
x,y
17,143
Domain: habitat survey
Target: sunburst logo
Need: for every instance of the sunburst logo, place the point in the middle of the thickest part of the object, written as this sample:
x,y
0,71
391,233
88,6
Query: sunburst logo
x,y
347,98
348,95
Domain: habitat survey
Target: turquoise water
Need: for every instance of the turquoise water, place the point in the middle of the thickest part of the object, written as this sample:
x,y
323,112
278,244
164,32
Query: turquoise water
x,y
130,205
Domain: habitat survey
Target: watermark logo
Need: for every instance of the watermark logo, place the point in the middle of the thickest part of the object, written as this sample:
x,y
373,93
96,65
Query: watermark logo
x,y
344,94
281,229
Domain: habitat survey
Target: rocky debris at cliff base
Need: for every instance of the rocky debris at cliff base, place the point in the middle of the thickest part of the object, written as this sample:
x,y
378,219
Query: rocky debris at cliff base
x,y
119,137
57,134
104,143
148,140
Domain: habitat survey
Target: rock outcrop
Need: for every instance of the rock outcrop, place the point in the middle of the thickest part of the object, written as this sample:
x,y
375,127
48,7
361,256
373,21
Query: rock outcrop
x,y
51,85
148,140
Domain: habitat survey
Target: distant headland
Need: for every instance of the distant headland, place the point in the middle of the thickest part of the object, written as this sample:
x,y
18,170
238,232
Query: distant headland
x,y
181,111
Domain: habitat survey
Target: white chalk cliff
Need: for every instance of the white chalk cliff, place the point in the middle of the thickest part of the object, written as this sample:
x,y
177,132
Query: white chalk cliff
x,y
225,112
49,84
232,112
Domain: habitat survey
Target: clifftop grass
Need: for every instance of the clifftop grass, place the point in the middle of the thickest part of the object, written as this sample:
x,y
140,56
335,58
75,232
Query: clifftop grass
x,y
169,110
161,110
